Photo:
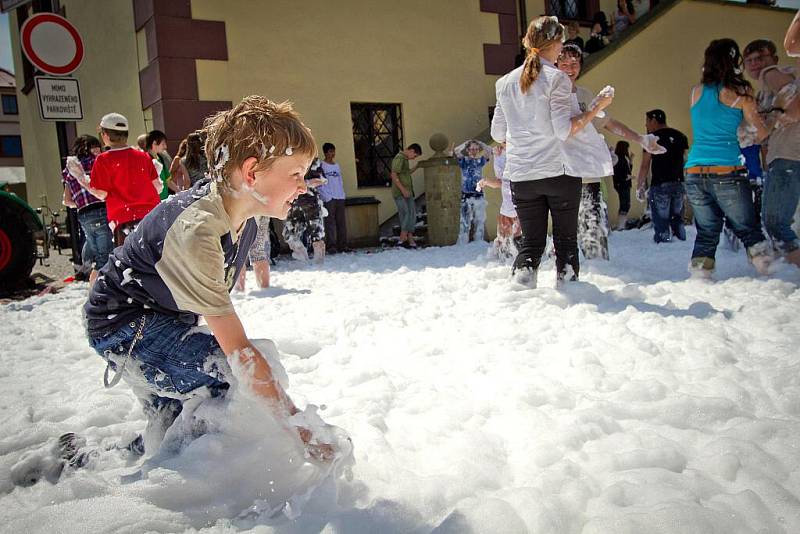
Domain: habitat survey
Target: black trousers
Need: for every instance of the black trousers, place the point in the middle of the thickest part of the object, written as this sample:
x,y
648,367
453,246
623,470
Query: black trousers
x,y
560,197
335,226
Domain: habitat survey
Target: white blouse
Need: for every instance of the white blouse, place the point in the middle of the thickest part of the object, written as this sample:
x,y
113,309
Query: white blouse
x,y
586,152
534,125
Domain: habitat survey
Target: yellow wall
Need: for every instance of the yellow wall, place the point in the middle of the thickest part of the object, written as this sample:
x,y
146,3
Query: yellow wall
x,y
109,81
427,56
658,67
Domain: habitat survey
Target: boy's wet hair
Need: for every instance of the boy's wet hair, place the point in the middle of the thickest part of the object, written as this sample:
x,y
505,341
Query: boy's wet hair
x,y
255,128
416,148
327,146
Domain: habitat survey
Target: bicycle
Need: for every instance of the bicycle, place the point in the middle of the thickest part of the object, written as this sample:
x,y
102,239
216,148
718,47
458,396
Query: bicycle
x,y
49,237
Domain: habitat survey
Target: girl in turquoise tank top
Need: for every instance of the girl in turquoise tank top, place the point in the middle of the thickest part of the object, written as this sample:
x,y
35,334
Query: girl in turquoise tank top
x,y
716,182
714,126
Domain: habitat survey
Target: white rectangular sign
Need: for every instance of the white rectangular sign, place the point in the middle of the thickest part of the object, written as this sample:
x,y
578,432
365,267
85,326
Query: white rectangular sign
x,y
59,99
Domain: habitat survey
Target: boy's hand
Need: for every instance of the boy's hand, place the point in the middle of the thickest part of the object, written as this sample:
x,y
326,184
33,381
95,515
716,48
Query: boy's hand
x,y
322,452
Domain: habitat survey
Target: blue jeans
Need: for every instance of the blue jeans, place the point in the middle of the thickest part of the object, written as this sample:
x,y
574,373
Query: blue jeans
x,y
173,361
781,194
407,213
473,215
99,241
715,198
168,365
666,207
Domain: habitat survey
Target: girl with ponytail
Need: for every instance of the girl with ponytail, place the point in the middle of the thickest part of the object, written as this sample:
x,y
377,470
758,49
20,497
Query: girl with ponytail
x,y
533,117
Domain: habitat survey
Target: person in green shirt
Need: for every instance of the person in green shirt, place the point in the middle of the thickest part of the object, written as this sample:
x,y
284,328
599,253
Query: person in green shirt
x,y
157,148
403,193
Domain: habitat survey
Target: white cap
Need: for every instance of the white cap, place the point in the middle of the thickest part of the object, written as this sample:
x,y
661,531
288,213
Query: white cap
x,y
114,121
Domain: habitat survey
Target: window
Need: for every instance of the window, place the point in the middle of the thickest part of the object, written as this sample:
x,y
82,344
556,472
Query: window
x,y
10,105
377,138
10,146
582,10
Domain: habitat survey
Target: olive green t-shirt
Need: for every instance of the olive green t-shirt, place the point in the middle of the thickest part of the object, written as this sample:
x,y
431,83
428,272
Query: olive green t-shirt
x,y
401,167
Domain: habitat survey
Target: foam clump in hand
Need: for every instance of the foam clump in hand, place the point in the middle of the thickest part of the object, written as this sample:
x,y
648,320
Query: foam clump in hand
x,y
649,142
605,92
248,463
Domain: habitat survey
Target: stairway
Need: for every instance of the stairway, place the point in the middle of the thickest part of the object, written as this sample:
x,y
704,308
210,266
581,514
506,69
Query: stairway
x,y
390,229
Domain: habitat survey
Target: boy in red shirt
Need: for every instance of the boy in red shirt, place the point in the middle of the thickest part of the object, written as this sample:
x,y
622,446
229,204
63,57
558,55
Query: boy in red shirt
x,y
124,177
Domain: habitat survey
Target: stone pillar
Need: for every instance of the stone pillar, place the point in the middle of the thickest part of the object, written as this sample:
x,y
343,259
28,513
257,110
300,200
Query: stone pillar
x,y
442,193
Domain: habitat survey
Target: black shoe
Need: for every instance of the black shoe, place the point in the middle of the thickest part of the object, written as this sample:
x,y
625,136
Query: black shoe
x,y
136,446
70,447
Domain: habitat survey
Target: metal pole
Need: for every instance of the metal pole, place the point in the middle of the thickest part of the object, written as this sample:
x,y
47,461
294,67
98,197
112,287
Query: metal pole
x,y
71,218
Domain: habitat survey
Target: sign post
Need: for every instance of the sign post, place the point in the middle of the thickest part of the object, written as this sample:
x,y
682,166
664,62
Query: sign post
x,y
53,45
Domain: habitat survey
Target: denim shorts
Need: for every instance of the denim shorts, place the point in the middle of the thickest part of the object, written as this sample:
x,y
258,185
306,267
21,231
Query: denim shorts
x,y
171,359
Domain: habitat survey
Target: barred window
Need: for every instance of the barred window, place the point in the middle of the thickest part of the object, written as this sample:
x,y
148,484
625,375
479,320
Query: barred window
x,y
571,9
377,138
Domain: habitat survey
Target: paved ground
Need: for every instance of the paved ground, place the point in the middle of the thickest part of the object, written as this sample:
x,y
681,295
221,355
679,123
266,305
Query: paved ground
x,y
57,266
47,276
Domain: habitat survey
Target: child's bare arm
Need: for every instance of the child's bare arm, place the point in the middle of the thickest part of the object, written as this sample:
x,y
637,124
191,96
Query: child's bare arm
x,y
232,339
67,199
644,168
494,183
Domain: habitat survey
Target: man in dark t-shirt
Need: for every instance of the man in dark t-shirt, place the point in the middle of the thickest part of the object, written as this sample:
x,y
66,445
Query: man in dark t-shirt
x,y
666,170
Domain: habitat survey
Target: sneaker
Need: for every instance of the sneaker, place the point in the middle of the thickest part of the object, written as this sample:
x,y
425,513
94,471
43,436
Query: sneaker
x,y
136,446
567,275
71,448
793,257
525,276
761,257
300,254
701,268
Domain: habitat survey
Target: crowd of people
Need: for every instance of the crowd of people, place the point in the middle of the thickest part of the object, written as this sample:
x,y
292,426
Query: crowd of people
x,y
549,127
177,260
113,185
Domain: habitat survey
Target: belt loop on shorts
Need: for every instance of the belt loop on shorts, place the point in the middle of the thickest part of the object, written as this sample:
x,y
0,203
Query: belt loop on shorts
x,y
118,373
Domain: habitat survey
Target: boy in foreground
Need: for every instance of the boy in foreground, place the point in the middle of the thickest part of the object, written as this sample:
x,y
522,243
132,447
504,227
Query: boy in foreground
x,y
181,263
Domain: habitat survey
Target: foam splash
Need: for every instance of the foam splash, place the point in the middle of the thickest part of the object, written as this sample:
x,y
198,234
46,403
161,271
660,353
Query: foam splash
x,y
262,199
248,464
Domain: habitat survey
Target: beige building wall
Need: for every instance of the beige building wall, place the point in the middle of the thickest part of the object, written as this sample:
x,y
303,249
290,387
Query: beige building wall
x,y
657,67
109,81
426,56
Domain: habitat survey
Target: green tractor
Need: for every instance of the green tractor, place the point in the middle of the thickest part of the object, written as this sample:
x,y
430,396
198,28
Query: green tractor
x,y
20,227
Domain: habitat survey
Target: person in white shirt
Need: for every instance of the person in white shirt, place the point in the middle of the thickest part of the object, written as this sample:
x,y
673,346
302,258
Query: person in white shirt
x,y
534,116
593,213
504,247
332,194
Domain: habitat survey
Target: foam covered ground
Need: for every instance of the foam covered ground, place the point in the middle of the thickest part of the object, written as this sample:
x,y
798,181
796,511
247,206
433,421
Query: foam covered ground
x,y
636,400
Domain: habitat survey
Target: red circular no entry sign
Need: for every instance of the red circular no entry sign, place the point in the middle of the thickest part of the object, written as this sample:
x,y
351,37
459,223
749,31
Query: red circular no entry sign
x,y
51,43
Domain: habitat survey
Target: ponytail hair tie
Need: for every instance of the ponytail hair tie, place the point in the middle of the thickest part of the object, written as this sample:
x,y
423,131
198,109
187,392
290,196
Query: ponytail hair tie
x,y
535,51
